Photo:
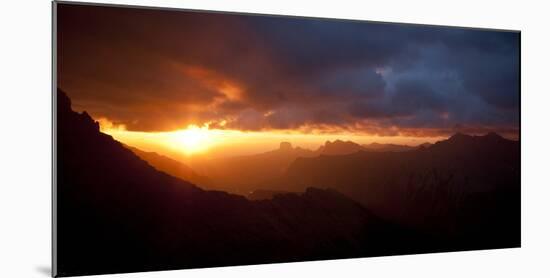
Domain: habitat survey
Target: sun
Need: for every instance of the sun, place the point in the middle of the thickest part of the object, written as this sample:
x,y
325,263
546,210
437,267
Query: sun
x,y
194,139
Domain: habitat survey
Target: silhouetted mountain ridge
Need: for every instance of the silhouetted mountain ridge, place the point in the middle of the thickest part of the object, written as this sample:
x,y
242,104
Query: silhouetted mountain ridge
x,y
173,167
264,194
242,174
465,189
116,213
388,147
339,147
461,138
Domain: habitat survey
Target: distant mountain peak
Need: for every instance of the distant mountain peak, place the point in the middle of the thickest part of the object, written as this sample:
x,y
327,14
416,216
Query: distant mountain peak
x,y
459,136
461,141
340,142
493,134
285,146
339,147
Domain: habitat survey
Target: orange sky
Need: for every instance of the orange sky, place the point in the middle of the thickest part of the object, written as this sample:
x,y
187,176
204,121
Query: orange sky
x,y
210,85
161,71
202,142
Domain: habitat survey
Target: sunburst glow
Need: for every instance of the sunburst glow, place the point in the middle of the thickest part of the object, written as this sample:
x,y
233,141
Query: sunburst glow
x,y
201,141
194,139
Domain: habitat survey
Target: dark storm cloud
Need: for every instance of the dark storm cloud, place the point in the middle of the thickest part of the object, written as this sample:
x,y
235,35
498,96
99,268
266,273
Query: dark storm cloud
x,y
414,95
162,70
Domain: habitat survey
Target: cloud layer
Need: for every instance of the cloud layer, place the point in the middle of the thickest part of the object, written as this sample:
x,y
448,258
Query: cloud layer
x,y
155,70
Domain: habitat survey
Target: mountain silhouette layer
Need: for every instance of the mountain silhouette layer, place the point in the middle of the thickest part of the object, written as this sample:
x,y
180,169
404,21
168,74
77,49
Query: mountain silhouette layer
x,y
248,173
172,167
339,147
464,190
377,147
263,194
116,213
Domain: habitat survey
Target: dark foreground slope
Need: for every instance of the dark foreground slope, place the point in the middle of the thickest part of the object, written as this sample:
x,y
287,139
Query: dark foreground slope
x,y
116,213
464,190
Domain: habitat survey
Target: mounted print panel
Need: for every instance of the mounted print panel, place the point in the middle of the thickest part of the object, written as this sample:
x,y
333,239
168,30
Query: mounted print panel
x,y
192,139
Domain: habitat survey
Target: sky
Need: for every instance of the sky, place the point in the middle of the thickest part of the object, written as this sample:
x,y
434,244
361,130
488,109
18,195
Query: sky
x,y
159,71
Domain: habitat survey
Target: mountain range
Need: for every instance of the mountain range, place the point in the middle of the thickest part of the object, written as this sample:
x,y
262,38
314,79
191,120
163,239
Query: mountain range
x,y
465,189
116,213
242,174
247,173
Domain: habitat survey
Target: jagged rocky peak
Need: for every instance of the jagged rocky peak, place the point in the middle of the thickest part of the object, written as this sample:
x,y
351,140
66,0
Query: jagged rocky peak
x,y
82,121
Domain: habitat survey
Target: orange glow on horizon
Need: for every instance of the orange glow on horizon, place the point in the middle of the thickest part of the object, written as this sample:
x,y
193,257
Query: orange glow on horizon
x,y
201,141
194,139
